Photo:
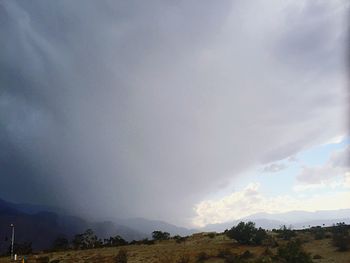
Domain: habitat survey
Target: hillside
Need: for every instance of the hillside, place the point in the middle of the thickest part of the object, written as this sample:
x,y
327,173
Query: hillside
x,y
215,247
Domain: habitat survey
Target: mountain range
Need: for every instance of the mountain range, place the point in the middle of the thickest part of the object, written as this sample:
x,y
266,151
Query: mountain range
x,y
41,225
295,219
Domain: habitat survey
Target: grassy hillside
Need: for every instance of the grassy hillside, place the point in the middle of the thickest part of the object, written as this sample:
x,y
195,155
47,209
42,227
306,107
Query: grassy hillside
x,y
212,248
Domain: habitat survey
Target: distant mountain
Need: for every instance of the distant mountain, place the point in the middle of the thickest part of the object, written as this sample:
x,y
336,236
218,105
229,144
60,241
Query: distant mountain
x,y
296,219
262,222
30,208
148,226
40,226
43,227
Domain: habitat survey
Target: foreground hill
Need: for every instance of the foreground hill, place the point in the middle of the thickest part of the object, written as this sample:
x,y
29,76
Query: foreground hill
x,y
208,246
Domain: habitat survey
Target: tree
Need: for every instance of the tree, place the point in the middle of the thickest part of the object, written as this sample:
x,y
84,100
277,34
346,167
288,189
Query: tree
x,y
286,233
247,233
159,235
115,241
86,240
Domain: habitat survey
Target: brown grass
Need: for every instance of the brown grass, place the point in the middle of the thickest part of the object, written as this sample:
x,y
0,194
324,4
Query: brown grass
x,y
170,252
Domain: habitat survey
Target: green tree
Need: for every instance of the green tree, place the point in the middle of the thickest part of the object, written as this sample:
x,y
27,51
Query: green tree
x,y
159,235
86,240
247,233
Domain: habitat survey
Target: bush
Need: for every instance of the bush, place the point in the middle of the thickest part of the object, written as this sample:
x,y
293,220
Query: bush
x,y
340,237
247,233
318,232
179,239
224,253
292,252
122,256
246,255
202,256
286,233
159,235
211,235
115,241
88,239
317,257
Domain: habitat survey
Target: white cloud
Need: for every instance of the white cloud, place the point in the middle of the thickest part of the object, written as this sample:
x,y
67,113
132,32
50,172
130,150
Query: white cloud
x,y
249,201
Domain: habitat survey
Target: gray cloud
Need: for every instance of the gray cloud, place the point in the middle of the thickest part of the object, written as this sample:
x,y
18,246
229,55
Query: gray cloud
x,y
274,168
115,108
337,166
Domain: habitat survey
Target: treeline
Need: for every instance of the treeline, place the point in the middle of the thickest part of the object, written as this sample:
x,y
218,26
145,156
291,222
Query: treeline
x,y
287,241
89,239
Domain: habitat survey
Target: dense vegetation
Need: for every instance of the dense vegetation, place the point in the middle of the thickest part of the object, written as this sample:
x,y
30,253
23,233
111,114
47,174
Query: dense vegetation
x,y
247,234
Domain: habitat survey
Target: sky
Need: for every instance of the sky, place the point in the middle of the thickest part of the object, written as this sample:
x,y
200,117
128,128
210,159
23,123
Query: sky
x,y
192,112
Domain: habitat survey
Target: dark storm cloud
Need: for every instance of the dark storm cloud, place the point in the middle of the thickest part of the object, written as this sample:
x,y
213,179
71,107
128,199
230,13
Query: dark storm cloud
x,y
123,108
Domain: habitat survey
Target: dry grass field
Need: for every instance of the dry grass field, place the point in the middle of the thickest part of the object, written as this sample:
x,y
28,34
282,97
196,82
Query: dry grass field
x,y
171,252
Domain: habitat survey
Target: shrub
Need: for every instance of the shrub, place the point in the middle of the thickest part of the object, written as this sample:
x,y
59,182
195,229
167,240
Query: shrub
x,y
179,239
202,256
292,252
318,232
224,253
247,233
211,235
267,252
159,235
115,241
88,239
286,233
122,256
340,237
317,257
246,255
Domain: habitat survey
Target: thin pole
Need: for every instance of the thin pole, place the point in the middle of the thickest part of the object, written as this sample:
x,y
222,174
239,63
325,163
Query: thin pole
x,y
12,239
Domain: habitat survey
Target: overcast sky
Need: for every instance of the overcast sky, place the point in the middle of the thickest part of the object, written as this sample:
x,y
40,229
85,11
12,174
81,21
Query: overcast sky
x,y
173,110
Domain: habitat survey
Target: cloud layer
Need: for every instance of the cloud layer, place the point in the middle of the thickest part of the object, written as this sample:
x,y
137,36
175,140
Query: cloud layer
x,y
114,108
